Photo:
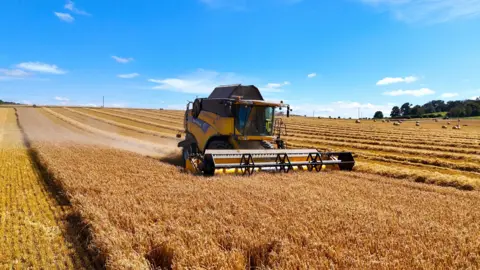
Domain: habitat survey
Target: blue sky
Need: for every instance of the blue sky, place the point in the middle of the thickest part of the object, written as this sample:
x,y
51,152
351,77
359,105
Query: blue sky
x,y
331,57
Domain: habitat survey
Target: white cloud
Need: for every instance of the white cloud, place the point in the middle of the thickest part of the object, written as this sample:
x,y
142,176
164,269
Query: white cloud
x,y
198,82
449,95
474,97
312,75
390,80
41,67
70,5
429,11
122,60
128,76
64,17
26,102
415,93
339,108
14,72
62,99
274,87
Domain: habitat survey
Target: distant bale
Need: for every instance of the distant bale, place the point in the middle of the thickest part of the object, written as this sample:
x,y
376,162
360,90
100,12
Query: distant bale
x,y
388,121
417,124
436,120
456,127
383,121
465,125
358,121
396,124
374,120
448,123
444,126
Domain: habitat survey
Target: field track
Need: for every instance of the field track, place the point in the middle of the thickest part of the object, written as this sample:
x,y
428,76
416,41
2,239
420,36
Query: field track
x,y
34,225
364,219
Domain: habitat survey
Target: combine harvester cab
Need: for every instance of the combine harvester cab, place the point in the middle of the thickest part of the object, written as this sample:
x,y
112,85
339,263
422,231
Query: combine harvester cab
x,y
235,131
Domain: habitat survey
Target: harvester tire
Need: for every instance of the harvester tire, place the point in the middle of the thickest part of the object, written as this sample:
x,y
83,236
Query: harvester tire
x,y
346,157
219,145
185,155
208,166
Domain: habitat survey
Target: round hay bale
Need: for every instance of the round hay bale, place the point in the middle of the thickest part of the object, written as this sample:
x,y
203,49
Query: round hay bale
x,y
396,124
383,121
417,124
374,120
444,126
436,120
456,127
358,121
448,123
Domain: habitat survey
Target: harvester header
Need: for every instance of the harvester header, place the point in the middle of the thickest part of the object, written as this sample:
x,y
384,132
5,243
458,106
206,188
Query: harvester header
x,y
235,130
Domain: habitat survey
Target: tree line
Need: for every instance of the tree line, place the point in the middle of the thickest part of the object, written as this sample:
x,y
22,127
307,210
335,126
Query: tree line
x,y
8,103
435,108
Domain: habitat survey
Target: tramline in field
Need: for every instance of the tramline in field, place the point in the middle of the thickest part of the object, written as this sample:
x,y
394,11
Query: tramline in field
x,y
235,130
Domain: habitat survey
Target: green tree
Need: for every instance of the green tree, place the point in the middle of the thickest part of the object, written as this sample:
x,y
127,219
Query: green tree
x,y
405,109
429,108
457,111
472,108
417,110
395,112
378,115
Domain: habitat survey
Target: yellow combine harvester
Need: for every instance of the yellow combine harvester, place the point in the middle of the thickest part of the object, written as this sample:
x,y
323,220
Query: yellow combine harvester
x,y
235,130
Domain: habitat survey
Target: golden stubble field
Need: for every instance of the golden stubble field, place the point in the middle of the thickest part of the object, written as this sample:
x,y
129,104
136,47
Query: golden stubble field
x,y
139,212
34,230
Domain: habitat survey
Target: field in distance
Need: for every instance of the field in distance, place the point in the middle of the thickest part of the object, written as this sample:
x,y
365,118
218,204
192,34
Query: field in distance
x,y
142,212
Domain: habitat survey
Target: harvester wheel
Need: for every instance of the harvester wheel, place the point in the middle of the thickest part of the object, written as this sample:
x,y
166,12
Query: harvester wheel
x,y
186,152
185,156
219,145
346,157
208,166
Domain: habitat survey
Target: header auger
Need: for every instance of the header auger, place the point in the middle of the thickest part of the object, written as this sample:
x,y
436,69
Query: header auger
x,y
235,130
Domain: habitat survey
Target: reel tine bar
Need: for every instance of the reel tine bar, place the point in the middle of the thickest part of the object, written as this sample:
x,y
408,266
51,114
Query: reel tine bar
x,y
283,163
247,165
315,161
247,161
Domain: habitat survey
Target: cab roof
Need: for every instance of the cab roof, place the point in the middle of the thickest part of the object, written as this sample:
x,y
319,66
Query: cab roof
x,y
247,92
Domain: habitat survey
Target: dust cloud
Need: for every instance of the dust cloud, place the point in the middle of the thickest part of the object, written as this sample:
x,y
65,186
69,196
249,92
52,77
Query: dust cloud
x,y
39,127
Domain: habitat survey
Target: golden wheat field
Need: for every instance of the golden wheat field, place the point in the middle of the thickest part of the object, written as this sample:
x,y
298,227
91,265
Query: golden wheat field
x,y
97,188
